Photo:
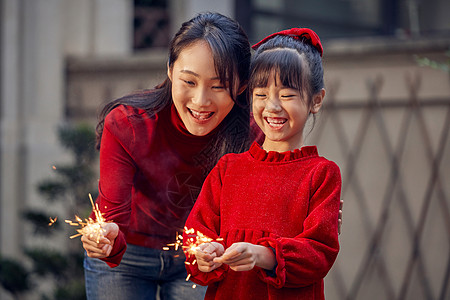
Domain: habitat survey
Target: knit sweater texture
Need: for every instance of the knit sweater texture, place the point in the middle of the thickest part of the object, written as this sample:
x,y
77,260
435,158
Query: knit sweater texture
x,y
288,201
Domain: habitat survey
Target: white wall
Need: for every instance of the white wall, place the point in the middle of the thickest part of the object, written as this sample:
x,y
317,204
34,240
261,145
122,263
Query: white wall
x,y
98,27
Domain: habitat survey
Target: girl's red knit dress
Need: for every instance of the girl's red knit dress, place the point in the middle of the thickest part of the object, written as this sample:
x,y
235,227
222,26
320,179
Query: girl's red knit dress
x,y
287,201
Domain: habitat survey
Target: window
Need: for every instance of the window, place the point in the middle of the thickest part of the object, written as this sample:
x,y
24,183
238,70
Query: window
x,y
151,24
344,18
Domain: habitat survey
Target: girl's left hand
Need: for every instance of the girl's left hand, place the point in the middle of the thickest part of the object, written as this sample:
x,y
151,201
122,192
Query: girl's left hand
x,y
245,256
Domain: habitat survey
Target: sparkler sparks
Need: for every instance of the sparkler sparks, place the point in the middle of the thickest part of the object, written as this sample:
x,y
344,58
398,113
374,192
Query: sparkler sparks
x,y
90,227
192,243
191,246
52,221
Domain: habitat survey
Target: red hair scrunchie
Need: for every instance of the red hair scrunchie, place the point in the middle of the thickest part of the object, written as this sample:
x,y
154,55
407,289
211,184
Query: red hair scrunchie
x,y
296,33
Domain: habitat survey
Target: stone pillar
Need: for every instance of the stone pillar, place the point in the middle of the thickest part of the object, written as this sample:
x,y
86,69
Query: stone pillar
x,y
10,127
40,100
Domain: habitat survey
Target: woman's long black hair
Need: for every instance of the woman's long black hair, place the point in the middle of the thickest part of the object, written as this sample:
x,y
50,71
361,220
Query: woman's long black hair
x,y
231,53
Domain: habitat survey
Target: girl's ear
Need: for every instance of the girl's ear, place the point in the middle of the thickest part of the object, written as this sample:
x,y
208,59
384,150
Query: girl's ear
x,y
317,101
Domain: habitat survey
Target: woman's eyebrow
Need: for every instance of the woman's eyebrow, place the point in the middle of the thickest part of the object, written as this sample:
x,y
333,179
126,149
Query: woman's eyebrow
x,y
197,75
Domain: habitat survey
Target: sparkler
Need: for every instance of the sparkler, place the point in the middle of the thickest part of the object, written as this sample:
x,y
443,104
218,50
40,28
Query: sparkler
x,y
192,245
90,227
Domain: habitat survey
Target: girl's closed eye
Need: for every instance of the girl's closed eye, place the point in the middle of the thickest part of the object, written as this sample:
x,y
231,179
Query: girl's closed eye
x,y
259,93
288,97
289,93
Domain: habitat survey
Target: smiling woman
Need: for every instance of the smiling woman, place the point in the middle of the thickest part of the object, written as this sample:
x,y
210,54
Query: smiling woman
x,y
156,148
201,99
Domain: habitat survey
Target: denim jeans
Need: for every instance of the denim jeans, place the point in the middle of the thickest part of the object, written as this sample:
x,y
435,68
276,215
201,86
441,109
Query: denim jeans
x,y
142,274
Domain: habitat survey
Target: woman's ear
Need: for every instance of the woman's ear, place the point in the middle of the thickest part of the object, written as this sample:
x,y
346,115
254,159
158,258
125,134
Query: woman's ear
x,y
317,101
242,88
169,71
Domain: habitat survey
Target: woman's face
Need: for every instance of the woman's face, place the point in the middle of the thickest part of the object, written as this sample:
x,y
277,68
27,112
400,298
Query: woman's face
x,y
201,100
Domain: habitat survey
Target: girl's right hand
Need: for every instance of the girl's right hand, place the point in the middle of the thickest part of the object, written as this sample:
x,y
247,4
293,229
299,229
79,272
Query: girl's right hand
x,y
205,255
104,247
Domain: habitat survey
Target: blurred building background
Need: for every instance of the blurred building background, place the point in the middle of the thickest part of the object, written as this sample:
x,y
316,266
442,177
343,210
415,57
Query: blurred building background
x,y
385,122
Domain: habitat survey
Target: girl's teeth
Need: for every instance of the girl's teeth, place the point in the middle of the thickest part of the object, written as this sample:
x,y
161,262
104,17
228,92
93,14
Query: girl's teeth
x,y
275,121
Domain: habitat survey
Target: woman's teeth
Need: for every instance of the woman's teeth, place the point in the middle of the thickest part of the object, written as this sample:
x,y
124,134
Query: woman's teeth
x,y
201,115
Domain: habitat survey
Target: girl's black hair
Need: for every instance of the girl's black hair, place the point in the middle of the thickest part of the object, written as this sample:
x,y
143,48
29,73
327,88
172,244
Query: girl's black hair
x,y
282,56
231,53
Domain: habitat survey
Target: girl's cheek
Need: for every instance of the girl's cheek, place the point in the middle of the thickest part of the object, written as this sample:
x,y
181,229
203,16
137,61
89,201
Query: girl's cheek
x,y
258,106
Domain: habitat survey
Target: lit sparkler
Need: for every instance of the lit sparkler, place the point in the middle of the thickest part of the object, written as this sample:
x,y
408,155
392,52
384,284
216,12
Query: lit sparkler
x,y
90,227
192,245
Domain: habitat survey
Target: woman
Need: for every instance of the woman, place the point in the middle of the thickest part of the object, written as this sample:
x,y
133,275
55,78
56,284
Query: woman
x,y
156,148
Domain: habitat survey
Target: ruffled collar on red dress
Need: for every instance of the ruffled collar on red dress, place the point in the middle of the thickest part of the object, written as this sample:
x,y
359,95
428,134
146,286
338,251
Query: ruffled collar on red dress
x,y
273,156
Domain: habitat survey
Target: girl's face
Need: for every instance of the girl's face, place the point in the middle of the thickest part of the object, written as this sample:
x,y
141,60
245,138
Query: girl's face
x,y
281,113
201,100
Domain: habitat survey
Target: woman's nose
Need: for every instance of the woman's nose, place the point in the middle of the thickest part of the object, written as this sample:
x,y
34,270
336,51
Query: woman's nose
x,y
201,97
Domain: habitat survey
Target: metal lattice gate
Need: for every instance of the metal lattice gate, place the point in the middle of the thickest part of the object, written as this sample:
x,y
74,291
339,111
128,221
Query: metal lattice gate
x,y
395,161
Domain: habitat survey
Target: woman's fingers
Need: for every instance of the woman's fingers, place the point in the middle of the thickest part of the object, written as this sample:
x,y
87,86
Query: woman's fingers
x,y
100,247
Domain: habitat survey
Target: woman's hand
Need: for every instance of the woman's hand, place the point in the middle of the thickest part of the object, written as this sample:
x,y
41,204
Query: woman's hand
x,y
245,256
205,255
104,246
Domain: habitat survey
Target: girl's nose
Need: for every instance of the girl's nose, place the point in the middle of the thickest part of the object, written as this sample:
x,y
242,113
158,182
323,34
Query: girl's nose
x,y
201,97
273,105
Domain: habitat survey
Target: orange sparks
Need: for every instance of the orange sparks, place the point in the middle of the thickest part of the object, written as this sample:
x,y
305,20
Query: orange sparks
x,y
90,227
191,245
52,221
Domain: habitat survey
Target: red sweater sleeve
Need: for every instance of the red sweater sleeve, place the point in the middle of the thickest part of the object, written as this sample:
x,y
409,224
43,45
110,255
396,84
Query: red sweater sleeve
x,y
205,217
308,257
117,170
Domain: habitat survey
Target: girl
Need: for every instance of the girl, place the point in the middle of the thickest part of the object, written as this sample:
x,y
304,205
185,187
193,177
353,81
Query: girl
x,y
156,148
273,210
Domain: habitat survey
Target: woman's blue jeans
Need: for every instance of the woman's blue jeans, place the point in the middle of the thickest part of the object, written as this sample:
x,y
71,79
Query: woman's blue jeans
x,y
142,273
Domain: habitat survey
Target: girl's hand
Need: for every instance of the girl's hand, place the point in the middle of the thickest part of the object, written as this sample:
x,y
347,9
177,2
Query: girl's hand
x,y
245,256
205,255
103,248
